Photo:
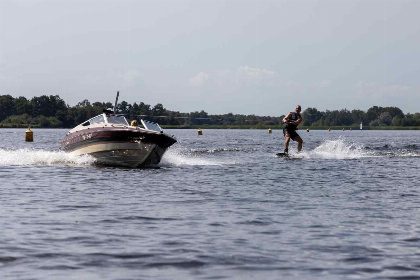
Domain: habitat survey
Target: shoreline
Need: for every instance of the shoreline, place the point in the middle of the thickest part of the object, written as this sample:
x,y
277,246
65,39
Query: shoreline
x,y
266,127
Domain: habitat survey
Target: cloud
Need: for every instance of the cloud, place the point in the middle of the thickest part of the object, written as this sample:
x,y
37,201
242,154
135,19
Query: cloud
x,y
198,79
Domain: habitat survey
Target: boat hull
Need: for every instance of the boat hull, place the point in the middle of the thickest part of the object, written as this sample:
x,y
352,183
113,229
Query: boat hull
x,y
120,147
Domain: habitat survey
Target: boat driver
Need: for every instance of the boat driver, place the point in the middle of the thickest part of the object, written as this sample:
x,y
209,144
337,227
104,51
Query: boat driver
x,y
291,121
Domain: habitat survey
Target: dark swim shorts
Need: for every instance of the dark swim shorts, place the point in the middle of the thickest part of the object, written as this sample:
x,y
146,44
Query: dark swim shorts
x,y
292,132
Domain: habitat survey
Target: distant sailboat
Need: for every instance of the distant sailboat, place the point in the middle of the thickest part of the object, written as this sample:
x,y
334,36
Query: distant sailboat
x,y
361,126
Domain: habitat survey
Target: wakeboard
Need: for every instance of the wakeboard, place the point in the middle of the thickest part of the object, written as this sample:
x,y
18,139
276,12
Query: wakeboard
x,y
283,155
287,156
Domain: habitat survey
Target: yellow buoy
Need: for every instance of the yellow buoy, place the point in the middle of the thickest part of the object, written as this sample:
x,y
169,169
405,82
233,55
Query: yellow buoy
x,y
29,135
307,130
329,129
269,131
199,132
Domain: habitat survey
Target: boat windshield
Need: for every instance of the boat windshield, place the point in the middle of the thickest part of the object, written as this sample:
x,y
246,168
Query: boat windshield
x,y
97,119
117,120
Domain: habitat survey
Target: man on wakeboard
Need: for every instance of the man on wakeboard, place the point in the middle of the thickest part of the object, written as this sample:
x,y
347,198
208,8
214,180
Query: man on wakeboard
x,y
291,121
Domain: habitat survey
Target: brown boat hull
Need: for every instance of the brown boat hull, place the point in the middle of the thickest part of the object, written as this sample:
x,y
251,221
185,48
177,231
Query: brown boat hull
x,y
129,147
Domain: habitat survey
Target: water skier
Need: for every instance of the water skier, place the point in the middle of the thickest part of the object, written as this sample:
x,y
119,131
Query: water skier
x,y
291,121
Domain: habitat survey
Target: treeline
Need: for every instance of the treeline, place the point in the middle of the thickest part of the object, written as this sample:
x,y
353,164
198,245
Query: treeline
x,y
52,111
375,116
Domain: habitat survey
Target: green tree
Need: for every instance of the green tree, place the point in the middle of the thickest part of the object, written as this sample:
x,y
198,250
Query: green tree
x,y
47,105
7,107
228,119
123,108
385,119
416,118
22,106
158,110
144,109
373,113
394,112
358,116
397,121
311,115
23,119
199,118
84,103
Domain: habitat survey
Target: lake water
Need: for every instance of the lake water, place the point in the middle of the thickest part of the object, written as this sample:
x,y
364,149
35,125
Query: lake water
x,y
219,206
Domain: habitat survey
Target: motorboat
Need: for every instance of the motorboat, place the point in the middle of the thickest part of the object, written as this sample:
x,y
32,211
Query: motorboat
x,y
111,140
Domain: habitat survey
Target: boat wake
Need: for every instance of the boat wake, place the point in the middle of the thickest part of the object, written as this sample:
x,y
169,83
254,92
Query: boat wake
x,y
336,149
34,157
341,149
191,158
221,150
28,157
331,149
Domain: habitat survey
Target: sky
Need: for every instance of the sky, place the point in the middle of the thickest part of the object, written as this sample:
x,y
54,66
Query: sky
x,y
234,56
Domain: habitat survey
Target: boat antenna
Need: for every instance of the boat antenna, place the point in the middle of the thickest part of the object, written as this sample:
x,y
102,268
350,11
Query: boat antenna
x,y
116,102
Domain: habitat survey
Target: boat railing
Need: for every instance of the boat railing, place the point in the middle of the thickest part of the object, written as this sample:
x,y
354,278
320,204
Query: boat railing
x,y
151,125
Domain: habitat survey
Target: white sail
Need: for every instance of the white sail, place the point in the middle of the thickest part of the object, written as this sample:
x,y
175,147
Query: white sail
x,y
361,126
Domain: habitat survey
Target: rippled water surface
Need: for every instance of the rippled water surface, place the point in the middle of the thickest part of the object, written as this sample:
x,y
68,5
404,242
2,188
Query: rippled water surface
x,y
219,206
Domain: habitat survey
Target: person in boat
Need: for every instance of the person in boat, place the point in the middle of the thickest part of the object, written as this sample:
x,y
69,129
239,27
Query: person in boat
x,y
134,123
291,122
